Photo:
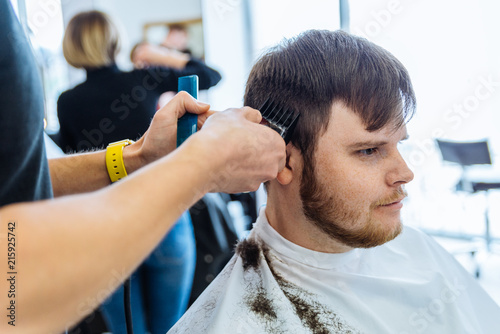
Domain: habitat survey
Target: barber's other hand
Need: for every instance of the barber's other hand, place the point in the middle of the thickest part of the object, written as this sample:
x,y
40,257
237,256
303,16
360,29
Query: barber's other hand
x,y
161,137
147,55
240,153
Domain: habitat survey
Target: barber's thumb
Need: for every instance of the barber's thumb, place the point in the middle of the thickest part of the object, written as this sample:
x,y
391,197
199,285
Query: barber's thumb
x,y
187,103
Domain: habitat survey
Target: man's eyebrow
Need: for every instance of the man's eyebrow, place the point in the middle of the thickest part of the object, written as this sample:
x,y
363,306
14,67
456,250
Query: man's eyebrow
x,y
366,144
372,143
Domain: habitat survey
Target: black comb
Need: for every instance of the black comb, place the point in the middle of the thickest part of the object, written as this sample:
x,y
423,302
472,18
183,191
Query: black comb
x,y
280,118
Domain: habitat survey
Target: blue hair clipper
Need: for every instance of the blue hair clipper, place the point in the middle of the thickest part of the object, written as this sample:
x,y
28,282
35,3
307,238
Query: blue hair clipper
x,y
187,124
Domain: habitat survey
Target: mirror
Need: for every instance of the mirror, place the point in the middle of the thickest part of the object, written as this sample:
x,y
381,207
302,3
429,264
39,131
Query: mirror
x,y
185,36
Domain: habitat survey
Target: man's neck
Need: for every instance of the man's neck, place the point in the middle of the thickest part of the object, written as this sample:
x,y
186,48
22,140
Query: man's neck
x,y
288,219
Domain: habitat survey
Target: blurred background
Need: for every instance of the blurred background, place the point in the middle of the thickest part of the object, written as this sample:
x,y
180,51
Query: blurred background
x,y
450,47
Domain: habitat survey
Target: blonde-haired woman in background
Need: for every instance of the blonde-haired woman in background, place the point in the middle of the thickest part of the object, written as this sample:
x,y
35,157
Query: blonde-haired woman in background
x,y
111,105
91,40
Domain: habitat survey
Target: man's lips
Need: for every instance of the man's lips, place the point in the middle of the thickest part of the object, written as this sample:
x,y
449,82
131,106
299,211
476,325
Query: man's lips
x,y
392,201
397,203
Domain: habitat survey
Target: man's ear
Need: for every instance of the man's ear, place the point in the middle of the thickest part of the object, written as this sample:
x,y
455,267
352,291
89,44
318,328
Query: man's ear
x,y
291,169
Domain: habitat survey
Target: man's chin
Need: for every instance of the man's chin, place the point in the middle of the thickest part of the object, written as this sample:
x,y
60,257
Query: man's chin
x,y
374,236
392,232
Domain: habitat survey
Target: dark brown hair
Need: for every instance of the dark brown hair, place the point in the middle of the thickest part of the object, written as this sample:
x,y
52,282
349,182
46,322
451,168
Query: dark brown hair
x,y
311,71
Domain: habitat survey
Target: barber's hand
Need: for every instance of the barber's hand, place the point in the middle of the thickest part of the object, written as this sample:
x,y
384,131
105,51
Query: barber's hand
x,y
147,55
241,153
161,137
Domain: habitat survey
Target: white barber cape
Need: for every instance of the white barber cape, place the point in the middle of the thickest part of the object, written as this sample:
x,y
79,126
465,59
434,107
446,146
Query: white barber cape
x,y
408,285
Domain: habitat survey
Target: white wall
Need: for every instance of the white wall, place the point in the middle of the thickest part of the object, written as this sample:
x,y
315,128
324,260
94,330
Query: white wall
x,y
226,50
450,49
274,20
238,31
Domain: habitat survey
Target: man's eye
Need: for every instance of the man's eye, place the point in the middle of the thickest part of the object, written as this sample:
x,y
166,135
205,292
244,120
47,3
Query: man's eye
x,y
368,151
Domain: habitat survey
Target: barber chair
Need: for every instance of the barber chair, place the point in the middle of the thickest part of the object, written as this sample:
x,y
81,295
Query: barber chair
x,y
478,174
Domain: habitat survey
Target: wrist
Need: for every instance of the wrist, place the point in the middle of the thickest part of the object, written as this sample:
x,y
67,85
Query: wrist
x,y
114,159
132,157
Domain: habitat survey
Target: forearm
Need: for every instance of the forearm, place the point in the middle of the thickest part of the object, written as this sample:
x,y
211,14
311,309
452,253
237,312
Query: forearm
x,y
168,58
174,59
73,252
80,173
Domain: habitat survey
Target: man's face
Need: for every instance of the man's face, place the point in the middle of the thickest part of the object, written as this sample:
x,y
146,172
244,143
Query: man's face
x,y
358,181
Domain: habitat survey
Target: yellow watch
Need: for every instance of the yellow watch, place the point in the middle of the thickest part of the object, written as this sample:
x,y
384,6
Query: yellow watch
x,y
114,159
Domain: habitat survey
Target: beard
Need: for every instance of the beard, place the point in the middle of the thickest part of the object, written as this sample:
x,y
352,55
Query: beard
x,y
330,212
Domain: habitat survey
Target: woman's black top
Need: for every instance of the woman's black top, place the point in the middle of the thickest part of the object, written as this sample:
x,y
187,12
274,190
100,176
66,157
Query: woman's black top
x,y
112,105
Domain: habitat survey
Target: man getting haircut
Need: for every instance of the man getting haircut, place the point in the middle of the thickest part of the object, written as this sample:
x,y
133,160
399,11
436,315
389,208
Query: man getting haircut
x,y
329,253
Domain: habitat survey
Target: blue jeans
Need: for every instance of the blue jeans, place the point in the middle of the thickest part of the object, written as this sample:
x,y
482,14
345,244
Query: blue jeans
x,y
160,287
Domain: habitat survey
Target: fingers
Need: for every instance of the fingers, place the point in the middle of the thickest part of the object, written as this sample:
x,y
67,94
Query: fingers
x,y
272,145
203,117
282,161
183,102
280,148
251,114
